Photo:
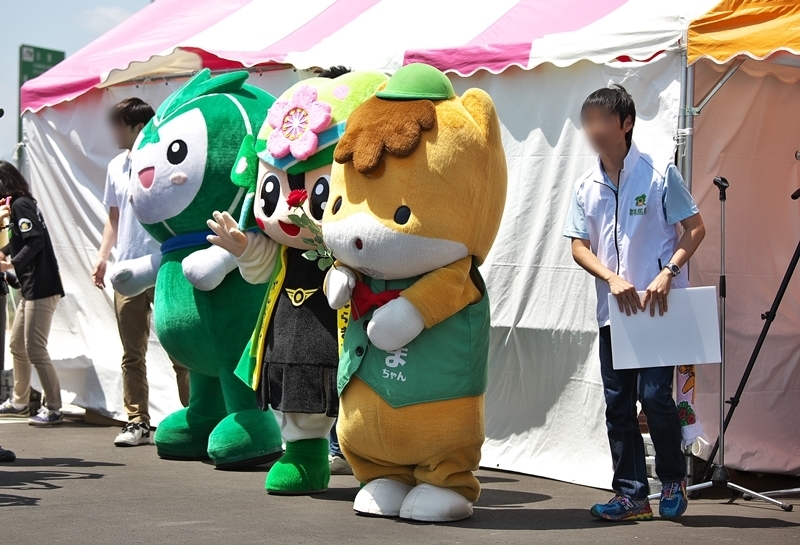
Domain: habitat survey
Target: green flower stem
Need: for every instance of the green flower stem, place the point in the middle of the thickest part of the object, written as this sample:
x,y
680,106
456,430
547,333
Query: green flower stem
x,y
322,253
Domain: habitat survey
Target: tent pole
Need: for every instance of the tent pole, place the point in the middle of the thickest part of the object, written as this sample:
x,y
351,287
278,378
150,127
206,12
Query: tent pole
x,y
680,161
689,127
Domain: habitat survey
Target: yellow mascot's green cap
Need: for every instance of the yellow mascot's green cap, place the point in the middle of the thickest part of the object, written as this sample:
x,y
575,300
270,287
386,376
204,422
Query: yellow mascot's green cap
x,y
417,81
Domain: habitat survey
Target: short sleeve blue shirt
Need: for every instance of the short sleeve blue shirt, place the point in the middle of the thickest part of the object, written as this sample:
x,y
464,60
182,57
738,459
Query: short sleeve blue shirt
x,y
677,204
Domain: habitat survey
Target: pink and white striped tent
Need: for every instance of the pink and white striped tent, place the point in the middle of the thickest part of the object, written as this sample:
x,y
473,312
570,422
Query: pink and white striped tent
x,y
179,36
538,59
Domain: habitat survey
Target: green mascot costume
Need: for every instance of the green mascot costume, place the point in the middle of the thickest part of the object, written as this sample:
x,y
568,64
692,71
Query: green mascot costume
x,y
293,356
204,310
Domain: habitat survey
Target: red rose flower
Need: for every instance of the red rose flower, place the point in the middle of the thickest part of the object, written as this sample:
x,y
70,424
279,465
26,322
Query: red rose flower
x,y
296,198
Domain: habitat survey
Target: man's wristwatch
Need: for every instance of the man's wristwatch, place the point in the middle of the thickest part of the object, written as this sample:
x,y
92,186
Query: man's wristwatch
x,y
673,268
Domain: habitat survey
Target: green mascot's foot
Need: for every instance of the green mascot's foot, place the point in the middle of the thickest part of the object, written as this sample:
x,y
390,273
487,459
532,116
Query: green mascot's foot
x,y
304,469
245,439
183,435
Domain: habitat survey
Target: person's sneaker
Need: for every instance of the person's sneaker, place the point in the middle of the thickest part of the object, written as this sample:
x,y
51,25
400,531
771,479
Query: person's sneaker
x,y
674,500
46,417
339,466
7,455
133,434
622,508
9,410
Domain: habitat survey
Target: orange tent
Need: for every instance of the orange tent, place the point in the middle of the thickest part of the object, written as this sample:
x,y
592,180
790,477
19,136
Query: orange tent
x,y
756,28
743,62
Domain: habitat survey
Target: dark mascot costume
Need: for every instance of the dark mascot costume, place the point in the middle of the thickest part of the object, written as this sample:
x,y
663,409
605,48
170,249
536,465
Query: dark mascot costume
x,y
293,356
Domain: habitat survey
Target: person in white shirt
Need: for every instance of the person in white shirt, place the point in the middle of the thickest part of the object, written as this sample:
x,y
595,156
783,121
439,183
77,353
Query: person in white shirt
x,y
123,230
625,221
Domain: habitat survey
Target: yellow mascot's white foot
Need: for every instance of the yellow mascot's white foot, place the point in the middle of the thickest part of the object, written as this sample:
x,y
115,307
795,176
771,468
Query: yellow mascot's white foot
x,y
381,498
430,503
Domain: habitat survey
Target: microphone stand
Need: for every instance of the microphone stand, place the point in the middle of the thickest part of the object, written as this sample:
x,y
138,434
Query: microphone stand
x,y
772,312
719,473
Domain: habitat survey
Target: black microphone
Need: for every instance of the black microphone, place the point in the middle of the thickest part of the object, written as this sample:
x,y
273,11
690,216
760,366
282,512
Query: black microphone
x,y
796,195
2,112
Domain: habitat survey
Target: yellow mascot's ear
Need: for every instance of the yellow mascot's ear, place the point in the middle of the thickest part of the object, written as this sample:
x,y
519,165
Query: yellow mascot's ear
x,y
480,106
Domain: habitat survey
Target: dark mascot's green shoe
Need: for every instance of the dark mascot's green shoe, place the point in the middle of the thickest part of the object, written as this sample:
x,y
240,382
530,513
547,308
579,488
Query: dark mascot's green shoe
x,y
303,469
245,439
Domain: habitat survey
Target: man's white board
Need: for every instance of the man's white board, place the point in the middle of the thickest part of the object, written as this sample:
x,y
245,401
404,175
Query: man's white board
x,y
688,334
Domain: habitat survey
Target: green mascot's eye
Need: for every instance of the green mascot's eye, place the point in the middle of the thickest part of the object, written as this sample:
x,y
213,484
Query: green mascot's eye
x,y
270,193
176,153
319,197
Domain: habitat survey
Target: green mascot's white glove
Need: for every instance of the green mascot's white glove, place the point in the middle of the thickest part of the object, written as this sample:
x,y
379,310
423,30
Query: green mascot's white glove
x,y
134,276
206,269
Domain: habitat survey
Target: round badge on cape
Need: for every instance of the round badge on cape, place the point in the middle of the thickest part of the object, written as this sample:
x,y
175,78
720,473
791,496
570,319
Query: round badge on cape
x,y
25,225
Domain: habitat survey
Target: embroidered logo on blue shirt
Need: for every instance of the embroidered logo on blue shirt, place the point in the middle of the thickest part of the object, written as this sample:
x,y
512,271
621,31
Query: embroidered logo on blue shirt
x,y
640,204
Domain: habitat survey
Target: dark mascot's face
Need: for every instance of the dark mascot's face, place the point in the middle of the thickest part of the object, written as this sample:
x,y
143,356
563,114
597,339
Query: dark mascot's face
x,y
272,211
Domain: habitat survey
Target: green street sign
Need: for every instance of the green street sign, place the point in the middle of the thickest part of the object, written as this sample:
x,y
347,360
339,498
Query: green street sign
x,y
33,62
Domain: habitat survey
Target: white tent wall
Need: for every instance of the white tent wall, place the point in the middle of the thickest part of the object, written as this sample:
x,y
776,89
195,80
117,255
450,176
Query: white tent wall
x,y
749,134
67,148
544,404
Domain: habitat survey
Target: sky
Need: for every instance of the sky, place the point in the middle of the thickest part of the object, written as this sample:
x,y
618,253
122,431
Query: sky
x,y
53,24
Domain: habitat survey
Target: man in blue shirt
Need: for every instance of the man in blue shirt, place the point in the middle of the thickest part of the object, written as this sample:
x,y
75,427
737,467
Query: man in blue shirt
x,y
624,223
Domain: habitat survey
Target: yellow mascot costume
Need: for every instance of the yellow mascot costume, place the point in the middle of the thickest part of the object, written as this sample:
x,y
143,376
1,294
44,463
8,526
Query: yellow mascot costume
x,y
417,192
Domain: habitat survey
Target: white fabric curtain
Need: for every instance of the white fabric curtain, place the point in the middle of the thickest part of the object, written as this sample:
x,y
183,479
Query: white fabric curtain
x,y
67,149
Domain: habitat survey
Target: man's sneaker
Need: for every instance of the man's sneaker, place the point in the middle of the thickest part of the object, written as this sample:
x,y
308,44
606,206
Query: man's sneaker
x,y
339,466
622,508
46,417
133,434
673,500
9,410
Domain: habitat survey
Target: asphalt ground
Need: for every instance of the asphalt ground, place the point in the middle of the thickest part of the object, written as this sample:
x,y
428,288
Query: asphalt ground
x,y
71,485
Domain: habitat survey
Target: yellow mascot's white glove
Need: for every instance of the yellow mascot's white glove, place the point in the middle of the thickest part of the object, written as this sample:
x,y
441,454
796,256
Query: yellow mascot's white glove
x,y
339,284
395,324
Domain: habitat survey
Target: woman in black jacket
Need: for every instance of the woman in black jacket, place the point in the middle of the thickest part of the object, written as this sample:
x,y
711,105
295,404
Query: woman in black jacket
x,y
30,254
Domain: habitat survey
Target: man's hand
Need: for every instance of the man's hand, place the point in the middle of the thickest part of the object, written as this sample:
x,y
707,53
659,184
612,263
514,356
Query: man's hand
x,y
626,295
657,292
227,234
99,272
6,265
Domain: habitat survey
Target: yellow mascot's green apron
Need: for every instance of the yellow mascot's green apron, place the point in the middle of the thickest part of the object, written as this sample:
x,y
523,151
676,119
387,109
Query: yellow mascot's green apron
x,y
447,361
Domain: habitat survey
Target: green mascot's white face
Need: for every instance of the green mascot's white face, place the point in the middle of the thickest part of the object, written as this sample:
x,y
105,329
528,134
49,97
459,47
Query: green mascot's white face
x,y
182,160
167,174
